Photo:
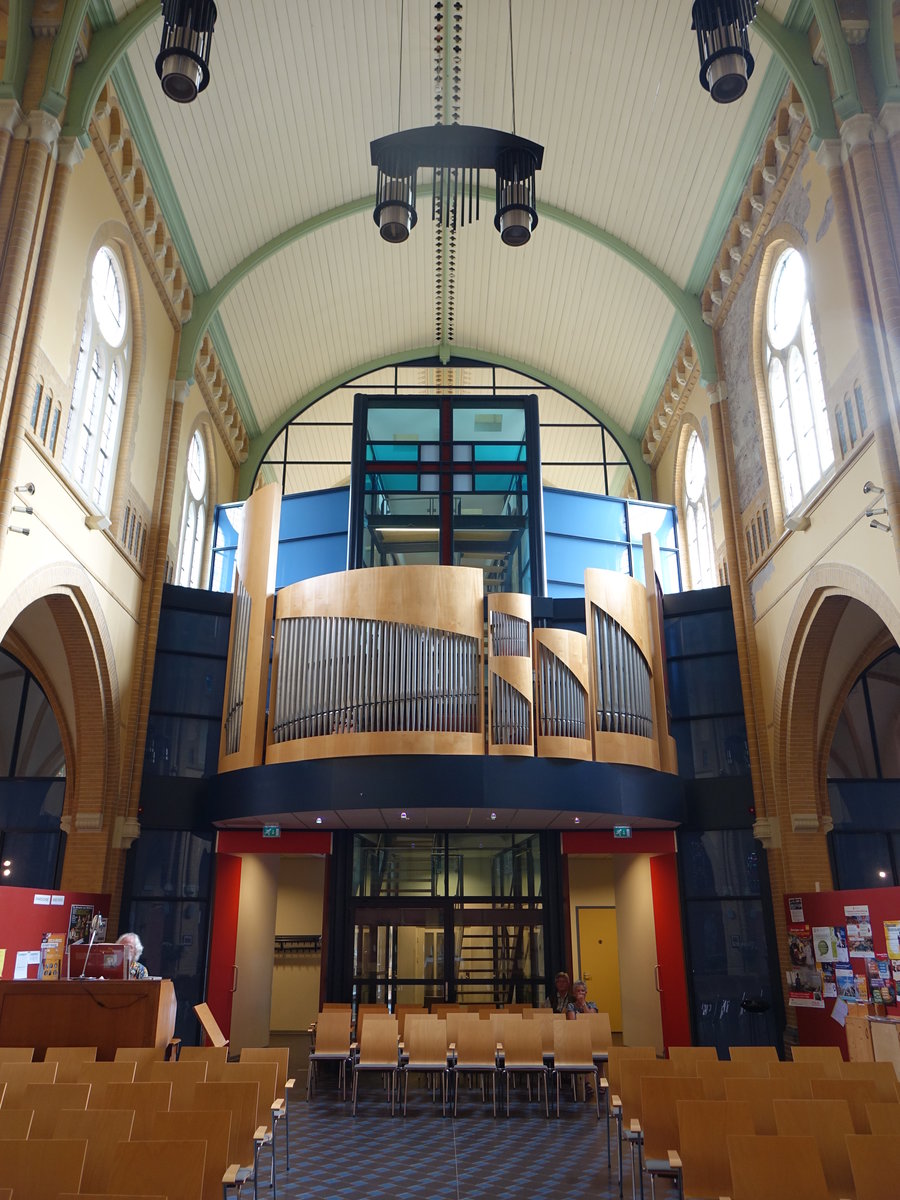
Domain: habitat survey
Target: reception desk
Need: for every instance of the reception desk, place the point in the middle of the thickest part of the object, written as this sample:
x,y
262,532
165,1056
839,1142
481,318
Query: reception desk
x,y
102,1013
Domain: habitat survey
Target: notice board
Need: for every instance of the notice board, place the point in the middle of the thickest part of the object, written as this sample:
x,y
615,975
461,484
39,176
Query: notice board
x,y
26,914
815,1026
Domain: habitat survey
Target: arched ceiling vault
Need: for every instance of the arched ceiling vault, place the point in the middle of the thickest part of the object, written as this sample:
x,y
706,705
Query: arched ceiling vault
x,y
638,162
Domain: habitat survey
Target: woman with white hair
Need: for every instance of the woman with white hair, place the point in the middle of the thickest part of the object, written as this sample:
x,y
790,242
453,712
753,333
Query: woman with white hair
x,y
134,948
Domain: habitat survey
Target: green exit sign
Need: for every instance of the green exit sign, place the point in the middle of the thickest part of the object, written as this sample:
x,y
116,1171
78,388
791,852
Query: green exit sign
x,y
271,831
622,831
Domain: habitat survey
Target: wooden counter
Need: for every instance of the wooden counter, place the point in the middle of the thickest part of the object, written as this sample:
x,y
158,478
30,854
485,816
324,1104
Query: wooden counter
x,y
101,1013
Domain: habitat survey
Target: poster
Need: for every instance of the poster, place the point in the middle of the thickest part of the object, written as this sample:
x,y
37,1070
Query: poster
x,y
845,980
829,985
830,943
881,983
795,905
859,931
80,917
800,947
805,988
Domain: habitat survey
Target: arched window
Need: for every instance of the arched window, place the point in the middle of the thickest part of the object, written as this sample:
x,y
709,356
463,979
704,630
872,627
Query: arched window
x,y
193,519
796,395
695,500
101,375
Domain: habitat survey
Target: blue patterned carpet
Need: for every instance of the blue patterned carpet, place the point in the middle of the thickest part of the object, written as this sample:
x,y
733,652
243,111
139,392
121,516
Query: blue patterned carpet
x,y
335,1156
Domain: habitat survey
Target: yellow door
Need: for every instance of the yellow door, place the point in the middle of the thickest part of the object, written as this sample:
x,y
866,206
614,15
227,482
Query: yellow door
x,y
598,960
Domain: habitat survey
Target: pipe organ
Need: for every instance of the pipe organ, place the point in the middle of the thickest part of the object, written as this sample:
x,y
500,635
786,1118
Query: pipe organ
x,y
391,661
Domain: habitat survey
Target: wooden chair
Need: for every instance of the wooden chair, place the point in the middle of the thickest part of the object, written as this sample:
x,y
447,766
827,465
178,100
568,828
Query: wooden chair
x,y
874,1160
474,1052
426,1051
41,1169
142,1057
332,1045
880,1076
177,1072
626,1105
47,1099
265,1074
213,1128
370,1012
101,1073
829,1056
752,1053
714,1074
616,1056
761,1094
693,1054
775,1168
829,1122
402,1011
573,1055
16,1054
523,1054
659,1123
335,1006
816,1069
703,1129
18,1075
241,1101
377,1050
215,1058
883,1118
857,1092
144,1099
176,1173
454,1022
68,1060
102,1138
210,1025
601,1035
284,1087
15,1124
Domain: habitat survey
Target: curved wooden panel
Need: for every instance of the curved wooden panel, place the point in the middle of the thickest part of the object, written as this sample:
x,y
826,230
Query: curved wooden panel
x,y
620,655
244,716
668,751
378,661
562,694
510,682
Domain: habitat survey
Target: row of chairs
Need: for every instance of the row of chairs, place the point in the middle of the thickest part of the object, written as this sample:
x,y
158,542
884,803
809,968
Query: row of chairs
x,y
664,1108
235,1108
460,1044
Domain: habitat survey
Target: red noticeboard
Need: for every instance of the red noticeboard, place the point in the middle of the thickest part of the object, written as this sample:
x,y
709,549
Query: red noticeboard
x,y
26,914
815,1025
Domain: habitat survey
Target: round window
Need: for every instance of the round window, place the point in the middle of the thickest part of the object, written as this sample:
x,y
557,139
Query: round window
x,y
787,298
108,295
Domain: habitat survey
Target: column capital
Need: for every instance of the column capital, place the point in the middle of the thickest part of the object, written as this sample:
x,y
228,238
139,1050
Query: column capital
x,y
180,389
889,118
717,392
38,126
70,152
828,154
860,129
10,114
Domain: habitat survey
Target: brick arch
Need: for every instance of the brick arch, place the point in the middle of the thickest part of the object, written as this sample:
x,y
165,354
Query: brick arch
x,y
92,738
799,749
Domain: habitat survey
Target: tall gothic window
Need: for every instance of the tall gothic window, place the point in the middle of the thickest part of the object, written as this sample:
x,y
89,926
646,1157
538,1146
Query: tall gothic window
x,y
101,375
796,395
193,519
696,515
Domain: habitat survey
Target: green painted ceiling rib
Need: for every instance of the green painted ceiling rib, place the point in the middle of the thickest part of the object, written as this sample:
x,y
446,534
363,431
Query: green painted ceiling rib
x,y
792,48
882,54
846,97
18,50
107,47
630,446
62,56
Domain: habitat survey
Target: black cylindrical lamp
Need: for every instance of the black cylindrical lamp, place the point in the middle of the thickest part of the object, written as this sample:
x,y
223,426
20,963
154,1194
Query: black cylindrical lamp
x,y
395,205
183,60
726,63
516,214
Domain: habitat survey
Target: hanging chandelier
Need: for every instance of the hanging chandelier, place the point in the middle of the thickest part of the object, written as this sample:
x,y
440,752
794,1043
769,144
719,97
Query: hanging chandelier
x,y
726,63
456,154
183,60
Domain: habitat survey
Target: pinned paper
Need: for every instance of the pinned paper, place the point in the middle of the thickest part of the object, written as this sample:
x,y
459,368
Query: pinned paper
x,y
839,1012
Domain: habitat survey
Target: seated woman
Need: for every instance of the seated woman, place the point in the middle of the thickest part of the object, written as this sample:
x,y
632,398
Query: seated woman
x,y
135,949
580,1002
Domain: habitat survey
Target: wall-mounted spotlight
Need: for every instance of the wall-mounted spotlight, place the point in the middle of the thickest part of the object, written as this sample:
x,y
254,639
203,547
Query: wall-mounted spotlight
x,y
183,60
726,63
880,525
869,487
25,488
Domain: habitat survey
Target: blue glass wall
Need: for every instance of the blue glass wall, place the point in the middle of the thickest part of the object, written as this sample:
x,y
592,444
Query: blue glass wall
x,y
583,530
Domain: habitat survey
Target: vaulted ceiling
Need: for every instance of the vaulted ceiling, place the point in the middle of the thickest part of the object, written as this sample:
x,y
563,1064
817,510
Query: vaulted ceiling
x,y
640,177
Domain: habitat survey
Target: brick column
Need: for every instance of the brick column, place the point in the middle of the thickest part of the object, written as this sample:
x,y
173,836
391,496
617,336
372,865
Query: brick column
x,y
23,198
854,246
10,456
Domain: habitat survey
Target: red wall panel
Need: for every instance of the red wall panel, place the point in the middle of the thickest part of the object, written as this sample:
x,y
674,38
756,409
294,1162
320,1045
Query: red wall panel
x,y
676,1020
223,939
24,923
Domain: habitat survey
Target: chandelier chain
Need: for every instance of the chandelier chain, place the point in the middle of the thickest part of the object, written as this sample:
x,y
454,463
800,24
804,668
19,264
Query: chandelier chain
x,y
400,73
512,69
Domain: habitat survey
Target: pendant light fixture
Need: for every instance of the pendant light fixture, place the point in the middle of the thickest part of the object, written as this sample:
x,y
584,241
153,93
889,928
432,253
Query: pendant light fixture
x,y
726,63
183,60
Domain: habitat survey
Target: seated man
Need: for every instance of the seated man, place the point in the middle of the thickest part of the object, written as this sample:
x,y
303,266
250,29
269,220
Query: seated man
x,y
135,949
